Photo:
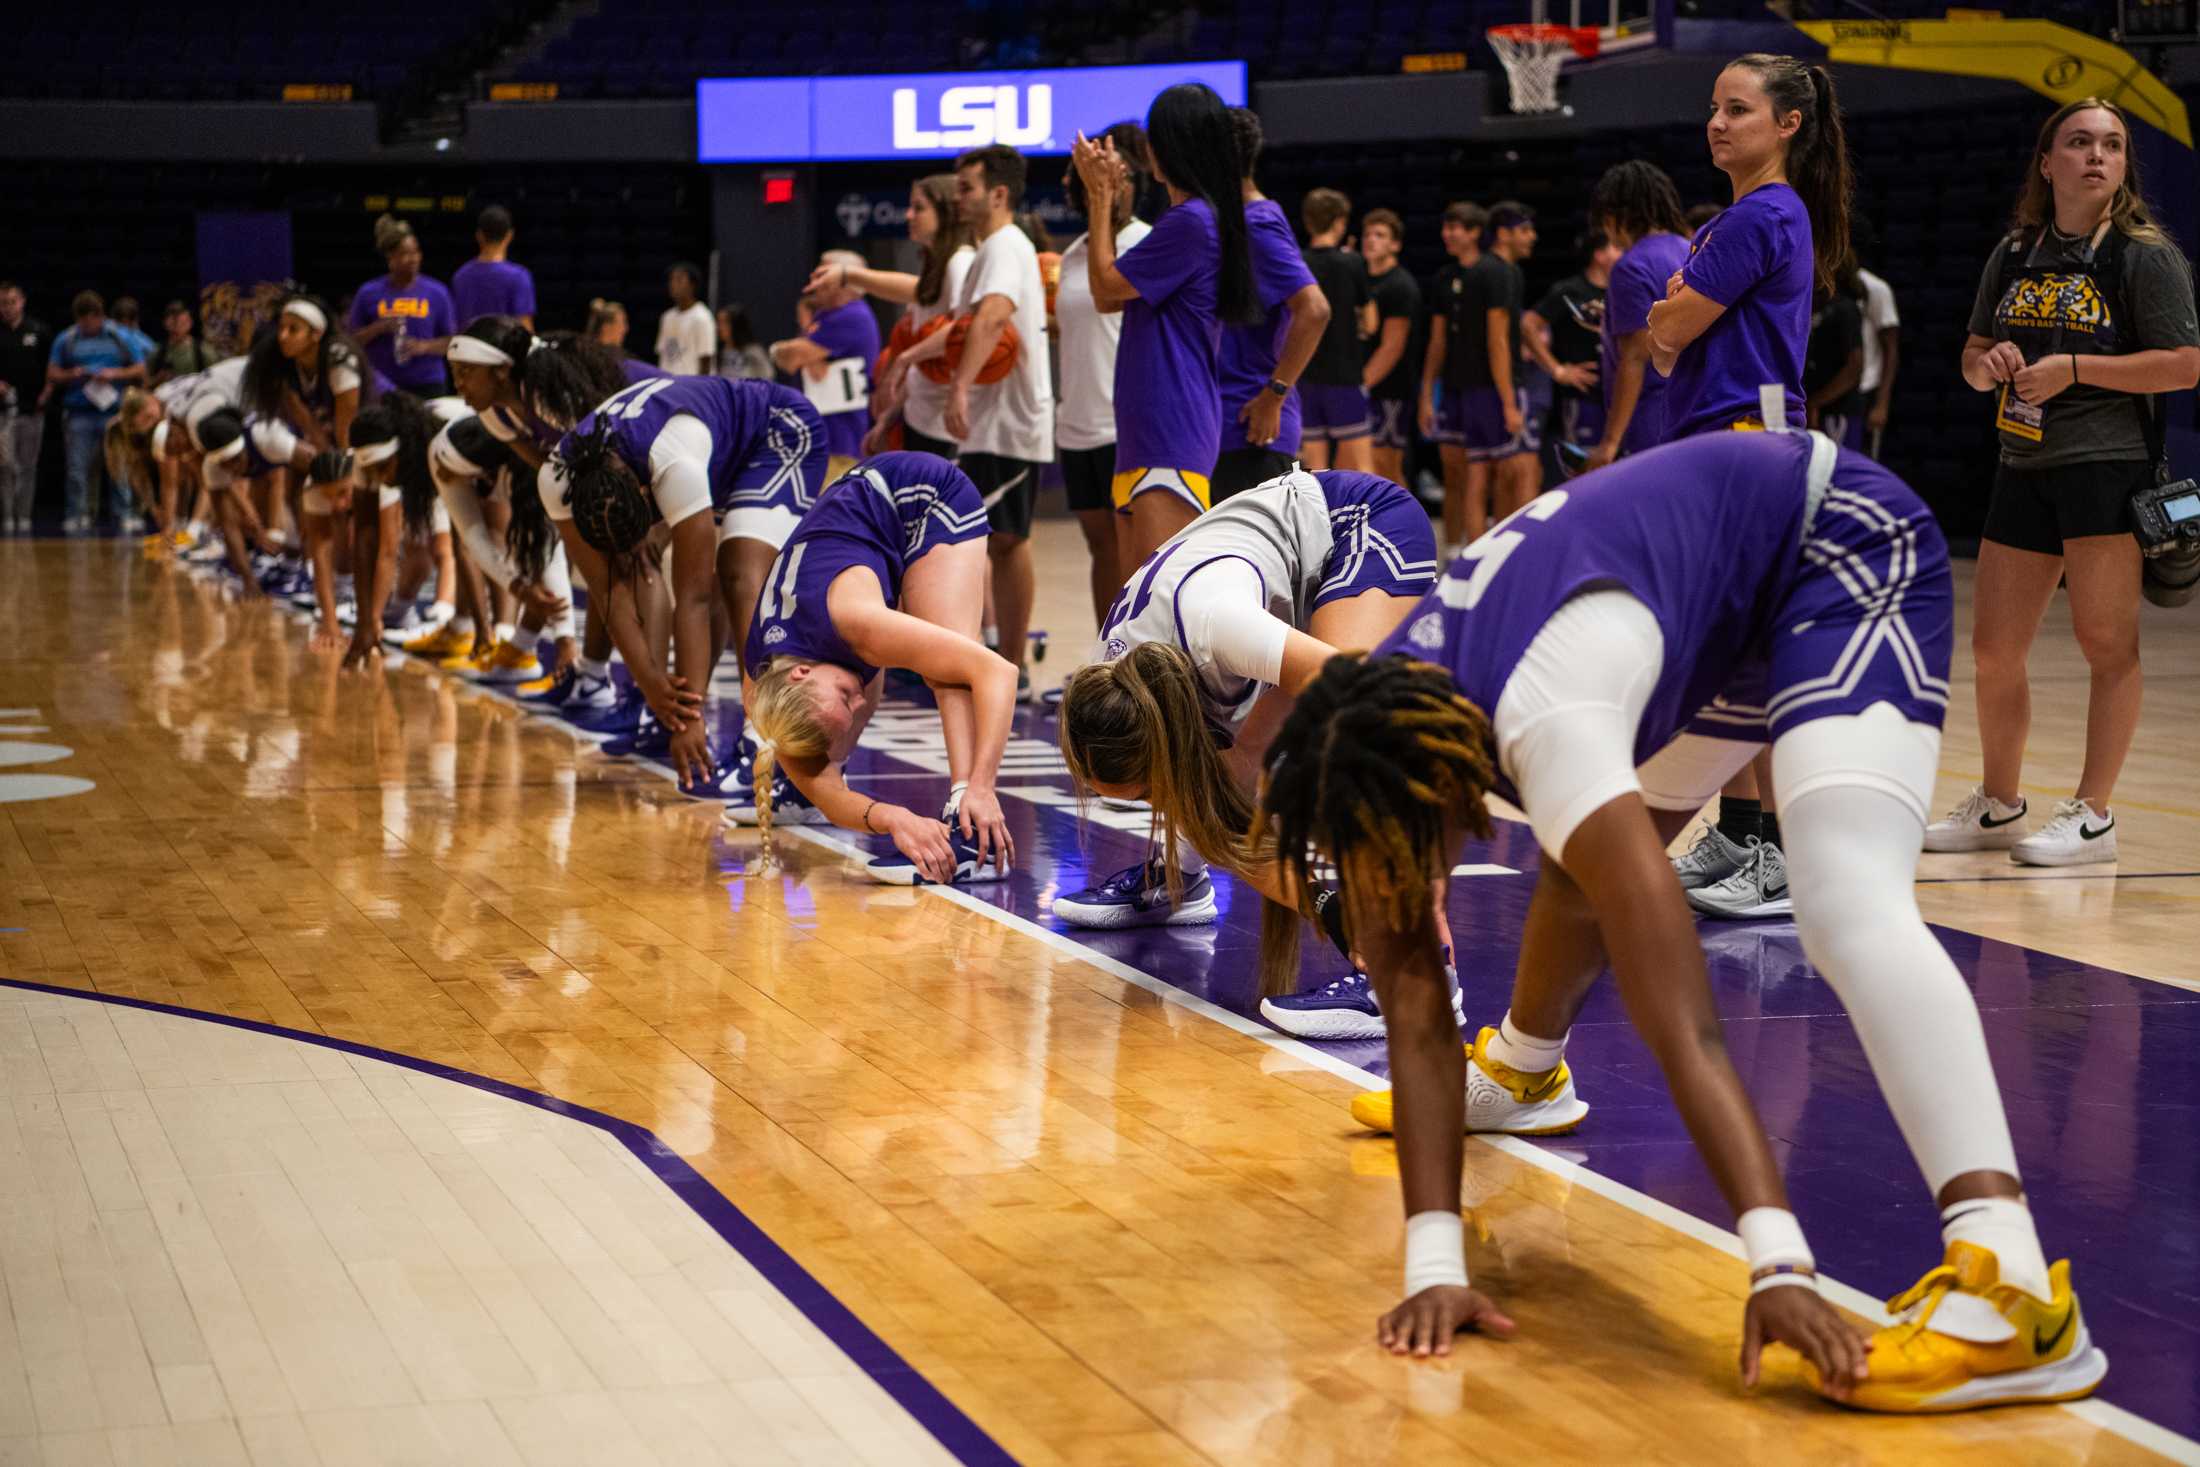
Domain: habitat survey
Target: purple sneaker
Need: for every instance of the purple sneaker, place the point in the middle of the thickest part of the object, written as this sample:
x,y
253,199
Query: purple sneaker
x,y
1344,1008
649,740
1138,896
617,717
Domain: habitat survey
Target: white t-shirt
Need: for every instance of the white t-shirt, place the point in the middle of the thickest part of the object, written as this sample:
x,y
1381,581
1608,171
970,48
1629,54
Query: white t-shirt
x,y
1084,416
679,473
924,402
1013,417
1879,315
686,339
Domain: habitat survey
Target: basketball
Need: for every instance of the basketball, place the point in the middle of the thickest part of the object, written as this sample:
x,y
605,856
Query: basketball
x,y
998,362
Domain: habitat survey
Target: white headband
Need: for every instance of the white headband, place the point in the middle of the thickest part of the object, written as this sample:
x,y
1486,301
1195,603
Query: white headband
x,y
375,453
307,312
475,352
227,451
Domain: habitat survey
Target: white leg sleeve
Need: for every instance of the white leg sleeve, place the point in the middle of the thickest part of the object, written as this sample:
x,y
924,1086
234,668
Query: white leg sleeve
x,y
1853,793
1565,723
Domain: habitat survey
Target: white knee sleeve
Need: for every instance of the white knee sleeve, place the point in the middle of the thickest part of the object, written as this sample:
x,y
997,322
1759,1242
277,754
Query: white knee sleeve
x,y
1565,723
1852,797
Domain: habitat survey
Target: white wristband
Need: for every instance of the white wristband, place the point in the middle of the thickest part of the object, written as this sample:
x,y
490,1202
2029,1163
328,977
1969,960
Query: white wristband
x,y
1772,1238
1436,1251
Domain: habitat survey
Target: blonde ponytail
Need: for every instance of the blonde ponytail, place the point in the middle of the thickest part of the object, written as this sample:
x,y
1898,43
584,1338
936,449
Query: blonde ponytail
x,y
784,718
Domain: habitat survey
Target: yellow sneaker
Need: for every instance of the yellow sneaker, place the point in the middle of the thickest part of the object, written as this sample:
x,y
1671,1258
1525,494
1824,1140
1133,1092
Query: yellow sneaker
x,y
470,658
1963,1339
442,642
509,662
1500,1099
538,687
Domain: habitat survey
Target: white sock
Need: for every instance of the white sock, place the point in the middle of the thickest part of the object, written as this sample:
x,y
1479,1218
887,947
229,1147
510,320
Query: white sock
x,y
590,667
1525,1052
462,623
1189,861
504,631
2002,1226
953,806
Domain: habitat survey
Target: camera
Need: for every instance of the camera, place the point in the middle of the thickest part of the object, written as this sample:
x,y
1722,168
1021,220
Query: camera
x,y
2166,520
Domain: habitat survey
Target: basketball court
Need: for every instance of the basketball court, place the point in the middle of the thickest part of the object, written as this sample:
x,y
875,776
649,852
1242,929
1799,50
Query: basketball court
x,y
389,1076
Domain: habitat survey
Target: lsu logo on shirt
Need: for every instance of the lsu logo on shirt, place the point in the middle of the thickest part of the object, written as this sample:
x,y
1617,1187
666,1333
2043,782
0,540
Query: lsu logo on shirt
x,y
415,307
2042,302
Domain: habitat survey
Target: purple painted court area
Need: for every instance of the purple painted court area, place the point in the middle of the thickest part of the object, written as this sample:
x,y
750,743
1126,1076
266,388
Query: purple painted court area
x,y
2101,1073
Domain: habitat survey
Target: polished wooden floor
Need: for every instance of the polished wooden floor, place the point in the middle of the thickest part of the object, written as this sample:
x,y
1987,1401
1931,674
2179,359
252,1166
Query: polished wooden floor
x,y
1108,1227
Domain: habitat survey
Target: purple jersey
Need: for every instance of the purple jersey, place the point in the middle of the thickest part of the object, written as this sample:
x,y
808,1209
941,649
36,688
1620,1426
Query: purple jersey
x,y
848,333
736,413
1249,353
491,288
883,514
1638,283
637,370
1709,533
1755,260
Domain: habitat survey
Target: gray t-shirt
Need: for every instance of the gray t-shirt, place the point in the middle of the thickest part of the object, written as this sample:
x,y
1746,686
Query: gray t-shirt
x,y
2095,423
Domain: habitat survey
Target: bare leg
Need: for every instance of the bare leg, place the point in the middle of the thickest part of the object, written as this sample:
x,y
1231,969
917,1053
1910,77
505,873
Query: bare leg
x,y
2010,596
1154,518
1314,454
1357,454
742,567
1390,463
1098,526
1015,588
1456,517
2104,605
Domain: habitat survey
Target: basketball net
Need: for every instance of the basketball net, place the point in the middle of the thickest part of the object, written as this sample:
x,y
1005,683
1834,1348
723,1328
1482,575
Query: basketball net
x,y
1532,55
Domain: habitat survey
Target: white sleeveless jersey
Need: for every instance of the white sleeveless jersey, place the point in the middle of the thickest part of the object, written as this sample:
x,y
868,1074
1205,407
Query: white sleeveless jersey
x,y
201,394
1281,529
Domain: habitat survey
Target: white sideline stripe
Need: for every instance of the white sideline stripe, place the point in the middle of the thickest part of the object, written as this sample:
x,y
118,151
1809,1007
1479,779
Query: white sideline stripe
x,y
2114,1419
1483,868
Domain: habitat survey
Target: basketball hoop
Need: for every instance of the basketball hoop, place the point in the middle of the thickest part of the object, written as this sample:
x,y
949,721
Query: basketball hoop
x,y
1532,55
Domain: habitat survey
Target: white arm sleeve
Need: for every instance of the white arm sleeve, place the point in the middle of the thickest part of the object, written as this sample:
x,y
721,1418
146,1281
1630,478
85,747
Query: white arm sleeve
x,y
463,505
679,468
1223,609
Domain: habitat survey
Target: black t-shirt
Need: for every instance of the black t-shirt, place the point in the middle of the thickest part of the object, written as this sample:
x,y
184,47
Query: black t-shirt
x,y
24,351
1574,310
1397,296
1836,329
1342,275
1466,295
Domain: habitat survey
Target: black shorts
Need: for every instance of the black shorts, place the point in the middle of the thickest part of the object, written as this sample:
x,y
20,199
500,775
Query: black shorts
x,y
914,442
1089,476
1009,487
1239,469
2038,509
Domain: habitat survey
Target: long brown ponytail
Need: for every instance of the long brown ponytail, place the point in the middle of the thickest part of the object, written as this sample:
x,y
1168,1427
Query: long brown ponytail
x,y
1818,154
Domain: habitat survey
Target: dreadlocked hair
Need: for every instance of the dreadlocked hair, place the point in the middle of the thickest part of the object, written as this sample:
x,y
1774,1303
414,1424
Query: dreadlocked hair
x,y
784,717
530,537
609,508
1639,197
562,381
1374,761
410,421
1140,720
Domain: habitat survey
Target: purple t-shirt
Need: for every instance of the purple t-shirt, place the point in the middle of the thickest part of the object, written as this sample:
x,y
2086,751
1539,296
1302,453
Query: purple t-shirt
x,y
491,288
1250,353
1638,283
848,331
424,312
1168,398
1706,532
637,370
1755,260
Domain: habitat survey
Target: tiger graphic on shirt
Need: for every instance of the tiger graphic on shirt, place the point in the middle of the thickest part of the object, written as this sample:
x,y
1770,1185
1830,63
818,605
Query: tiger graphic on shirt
x,y
2045,301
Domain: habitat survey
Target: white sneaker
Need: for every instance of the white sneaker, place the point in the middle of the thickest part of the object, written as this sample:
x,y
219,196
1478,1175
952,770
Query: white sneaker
x,y
1978,823
1757,889
2075,835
